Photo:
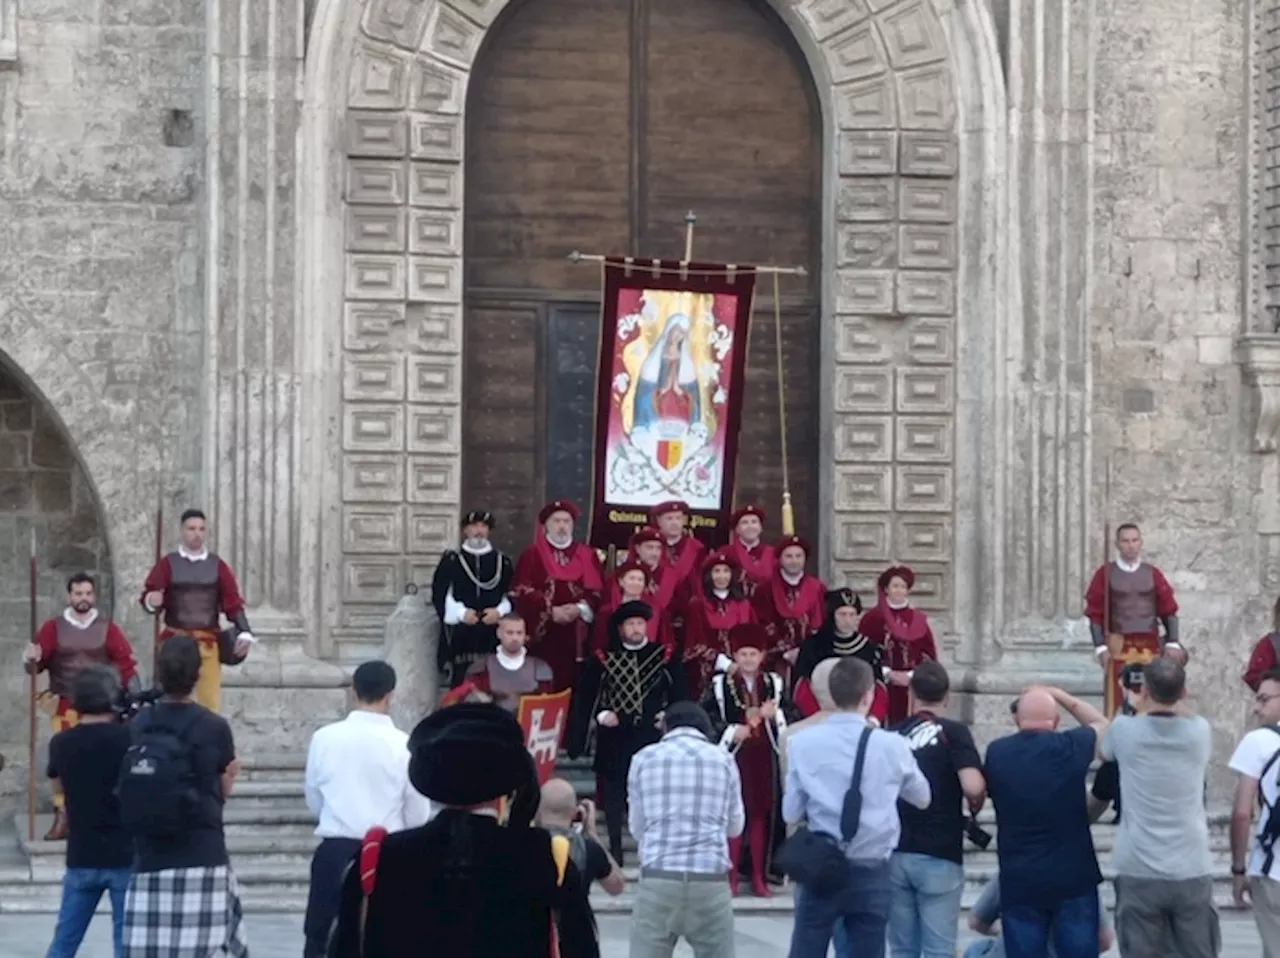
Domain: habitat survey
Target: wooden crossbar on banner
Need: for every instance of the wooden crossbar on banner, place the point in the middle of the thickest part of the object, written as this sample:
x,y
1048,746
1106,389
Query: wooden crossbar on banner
x,y
684,268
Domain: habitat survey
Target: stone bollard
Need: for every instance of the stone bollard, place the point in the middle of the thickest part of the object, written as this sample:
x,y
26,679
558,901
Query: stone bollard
x,y
411,638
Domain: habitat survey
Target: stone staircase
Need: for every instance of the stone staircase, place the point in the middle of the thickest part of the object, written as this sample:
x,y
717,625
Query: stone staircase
x,y
269,831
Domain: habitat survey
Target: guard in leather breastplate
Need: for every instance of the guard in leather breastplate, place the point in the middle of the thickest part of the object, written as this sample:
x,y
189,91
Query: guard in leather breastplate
x,y
193,588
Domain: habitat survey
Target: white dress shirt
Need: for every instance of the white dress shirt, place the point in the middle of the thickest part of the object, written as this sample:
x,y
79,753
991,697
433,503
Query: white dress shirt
x,y
358,777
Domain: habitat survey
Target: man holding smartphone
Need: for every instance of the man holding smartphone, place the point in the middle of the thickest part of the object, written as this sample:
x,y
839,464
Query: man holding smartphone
x,y
561,813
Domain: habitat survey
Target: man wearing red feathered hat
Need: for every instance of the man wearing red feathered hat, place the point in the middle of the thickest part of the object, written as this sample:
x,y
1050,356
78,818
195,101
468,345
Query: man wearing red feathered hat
x,y
904,634
749,713
557,588
754,557
792,604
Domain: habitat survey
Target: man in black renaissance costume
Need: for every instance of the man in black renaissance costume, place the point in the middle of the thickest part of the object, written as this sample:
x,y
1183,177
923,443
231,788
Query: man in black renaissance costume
x,y
469,592
624,690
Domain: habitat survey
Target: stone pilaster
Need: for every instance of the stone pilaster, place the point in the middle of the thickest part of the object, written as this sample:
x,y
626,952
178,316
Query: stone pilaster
x,y
1046,457
252,463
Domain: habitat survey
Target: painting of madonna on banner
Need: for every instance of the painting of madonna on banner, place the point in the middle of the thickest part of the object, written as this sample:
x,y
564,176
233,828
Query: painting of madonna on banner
x,y
675,375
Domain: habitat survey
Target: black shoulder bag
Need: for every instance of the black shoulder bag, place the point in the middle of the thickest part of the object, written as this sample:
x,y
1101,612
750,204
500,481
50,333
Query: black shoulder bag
x,y
816,860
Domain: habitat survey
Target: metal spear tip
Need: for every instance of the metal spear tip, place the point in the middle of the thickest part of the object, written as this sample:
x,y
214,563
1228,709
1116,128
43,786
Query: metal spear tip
x,y
690,218
575,256
411,589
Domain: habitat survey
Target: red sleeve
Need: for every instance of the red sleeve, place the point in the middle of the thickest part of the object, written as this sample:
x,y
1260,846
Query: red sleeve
x,y
157,580
819,617
600,630
928,645
228,591
1262,659
806,702
880,704
695,630
459,694
1166,604
872,625
593,597
528,591
120,653
47,639
1095,599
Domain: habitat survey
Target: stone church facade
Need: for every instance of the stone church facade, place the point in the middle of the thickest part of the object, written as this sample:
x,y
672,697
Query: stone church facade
x,y
301,261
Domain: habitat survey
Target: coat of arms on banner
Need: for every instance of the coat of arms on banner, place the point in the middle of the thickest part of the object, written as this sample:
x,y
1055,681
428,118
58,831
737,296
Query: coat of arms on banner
x,y
672,379
544,719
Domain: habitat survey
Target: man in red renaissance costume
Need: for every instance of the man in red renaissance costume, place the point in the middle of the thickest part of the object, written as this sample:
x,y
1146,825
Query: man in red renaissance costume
x,y
681,554
76,640
710,617
749,713
1127,602
754,557
645,549
557,588
839,637
191,587
1266,653
791,605
903,633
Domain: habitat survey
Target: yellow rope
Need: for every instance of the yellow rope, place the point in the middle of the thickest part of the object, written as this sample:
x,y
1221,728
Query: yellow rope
x,y
788,516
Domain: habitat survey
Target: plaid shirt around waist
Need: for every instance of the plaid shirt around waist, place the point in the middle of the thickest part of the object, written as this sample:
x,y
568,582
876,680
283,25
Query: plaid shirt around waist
x,y
685,800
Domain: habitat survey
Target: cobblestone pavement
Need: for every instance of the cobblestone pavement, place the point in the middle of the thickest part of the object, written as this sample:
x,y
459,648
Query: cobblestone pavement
x,y
280,936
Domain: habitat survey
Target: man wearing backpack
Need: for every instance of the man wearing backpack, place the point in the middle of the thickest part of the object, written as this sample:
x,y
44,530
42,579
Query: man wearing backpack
x,y
1257,761
179,769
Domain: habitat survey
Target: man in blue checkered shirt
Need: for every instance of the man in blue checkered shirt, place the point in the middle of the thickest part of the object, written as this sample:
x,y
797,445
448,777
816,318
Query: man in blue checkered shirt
x,y
686,803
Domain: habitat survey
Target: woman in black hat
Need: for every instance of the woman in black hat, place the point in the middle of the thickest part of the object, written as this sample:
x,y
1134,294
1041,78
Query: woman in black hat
x,y
477,881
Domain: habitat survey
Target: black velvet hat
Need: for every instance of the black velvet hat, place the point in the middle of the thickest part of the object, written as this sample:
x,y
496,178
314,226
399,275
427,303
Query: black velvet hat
x,y
469,754
478,515
634,609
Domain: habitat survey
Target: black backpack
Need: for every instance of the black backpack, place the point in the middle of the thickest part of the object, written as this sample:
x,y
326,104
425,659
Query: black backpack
x,y
157,784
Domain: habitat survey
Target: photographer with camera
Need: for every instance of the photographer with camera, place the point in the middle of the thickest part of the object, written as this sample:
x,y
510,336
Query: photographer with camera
x,y
84,761
561,813
926,872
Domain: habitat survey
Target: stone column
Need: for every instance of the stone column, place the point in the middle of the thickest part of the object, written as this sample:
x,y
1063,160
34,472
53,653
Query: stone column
x,y
252,458
1046,521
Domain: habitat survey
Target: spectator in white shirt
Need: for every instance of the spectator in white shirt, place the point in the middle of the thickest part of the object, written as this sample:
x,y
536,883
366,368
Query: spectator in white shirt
x,y
1255,869
357,778
686,803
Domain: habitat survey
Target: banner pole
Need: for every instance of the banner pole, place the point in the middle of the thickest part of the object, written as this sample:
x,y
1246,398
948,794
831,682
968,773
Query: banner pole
x,y
690,220
657,269
31,697
155,619
1109,688
788,514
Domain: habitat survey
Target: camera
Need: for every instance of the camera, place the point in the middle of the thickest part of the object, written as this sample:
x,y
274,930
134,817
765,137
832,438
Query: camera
x,y
976,833
129,704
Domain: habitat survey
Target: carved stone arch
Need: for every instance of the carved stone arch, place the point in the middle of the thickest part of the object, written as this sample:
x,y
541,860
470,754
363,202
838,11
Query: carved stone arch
x,y
913,304
103,440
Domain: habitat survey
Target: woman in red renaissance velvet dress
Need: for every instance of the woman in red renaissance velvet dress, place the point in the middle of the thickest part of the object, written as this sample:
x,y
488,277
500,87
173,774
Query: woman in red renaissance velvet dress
x,y
634,582
903,632
709,618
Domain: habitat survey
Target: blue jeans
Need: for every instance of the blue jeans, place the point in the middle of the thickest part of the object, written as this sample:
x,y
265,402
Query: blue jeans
x,y
862,907
1071,925
82,889
925,907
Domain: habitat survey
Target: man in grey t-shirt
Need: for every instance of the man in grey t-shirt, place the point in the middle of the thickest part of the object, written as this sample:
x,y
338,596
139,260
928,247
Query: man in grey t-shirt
x,y
1164,883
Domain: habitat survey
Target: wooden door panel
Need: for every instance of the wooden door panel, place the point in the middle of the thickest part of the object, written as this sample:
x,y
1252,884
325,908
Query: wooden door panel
x,y
500,424
548,156
729,132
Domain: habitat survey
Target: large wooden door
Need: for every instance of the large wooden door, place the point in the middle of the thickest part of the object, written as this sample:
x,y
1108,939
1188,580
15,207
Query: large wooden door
x,y
596,125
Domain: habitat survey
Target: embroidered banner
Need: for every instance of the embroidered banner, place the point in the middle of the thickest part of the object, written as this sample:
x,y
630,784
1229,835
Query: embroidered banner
x,y
544,719
673,354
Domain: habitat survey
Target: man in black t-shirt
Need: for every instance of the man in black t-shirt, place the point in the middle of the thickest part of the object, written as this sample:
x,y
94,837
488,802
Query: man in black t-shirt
x,y
926,872
184,894
83,764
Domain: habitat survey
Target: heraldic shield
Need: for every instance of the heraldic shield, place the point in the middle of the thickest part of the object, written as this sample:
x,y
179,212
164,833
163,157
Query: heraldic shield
x,y
544,719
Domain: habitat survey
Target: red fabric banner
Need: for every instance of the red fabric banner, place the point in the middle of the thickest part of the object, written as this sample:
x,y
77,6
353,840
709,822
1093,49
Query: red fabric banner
x,y
673,357
544,719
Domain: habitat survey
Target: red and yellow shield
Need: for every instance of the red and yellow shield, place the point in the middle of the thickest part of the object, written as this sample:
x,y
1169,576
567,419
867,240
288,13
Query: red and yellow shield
x,y
544,719
669,452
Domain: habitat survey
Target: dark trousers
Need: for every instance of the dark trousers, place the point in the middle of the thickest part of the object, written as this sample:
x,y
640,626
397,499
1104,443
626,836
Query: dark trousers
x,y
1071,926
615,807
861,907
328,867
